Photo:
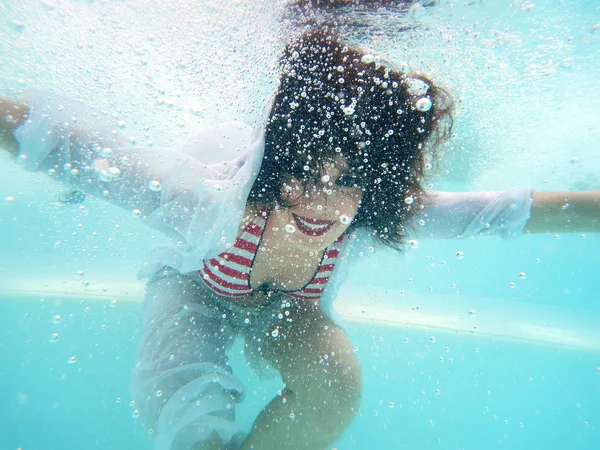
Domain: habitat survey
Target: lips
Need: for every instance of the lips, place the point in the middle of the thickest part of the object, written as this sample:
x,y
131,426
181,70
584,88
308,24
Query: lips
x,y
312,227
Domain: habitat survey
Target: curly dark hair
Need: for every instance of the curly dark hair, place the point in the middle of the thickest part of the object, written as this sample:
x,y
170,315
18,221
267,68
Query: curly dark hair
x,y
334,99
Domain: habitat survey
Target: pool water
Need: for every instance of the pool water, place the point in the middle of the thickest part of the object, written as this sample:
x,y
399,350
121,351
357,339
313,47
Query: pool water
x,y
497,348
66,384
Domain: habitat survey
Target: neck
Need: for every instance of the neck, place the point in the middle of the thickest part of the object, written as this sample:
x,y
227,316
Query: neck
x,y
278,240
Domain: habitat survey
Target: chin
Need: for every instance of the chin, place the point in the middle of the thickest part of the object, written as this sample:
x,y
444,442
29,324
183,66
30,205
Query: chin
x,y
318,243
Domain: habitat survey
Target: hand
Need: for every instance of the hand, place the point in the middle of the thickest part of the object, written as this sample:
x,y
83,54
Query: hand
x,y
12,115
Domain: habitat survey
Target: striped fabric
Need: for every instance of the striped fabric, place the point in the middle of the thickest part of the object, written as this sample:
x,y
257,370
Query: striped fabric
x,y
228,274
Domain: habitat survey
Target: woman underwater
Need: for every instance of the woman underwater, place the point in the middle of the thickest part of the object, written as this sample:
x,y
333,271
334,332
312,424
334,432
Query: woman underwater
x,y
262,241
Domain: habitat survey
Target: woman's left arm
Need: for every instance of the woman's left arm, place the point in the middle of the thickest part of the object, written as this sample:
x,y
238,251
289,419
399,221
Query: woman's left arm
x,y
509,213
564,212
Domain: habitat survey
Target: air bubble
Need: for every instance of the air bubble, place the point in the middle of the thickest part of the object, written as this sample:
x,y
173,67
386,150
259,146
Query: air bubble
x,y
391,405
409,200
158,394
472,312
367,59
155,186
348,110
136,213
197,109
275,333
289,228
135,414
106,152
113,172
459,254
417,87
345,220
54,337
325,179
56,319
512,284
522,275
423,104
72,360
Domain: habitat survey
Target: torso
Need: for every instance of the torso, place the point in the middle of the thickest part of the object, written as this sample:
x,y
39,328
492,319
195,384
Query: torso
x,y
275,268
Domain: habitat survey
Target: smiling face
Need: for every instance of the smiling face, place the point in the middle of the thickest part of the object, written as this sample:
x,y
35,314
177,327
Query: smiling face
x,y
336,100
319,211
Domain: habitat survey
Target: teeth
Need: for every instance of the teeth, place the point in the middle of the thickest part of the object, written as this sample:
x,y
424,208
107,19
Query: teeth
x,y
312,226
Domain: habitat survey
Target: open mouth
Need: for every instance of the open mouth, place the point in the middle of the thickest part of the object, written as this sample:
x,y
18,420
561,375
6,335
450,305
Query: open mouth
x,y
312,227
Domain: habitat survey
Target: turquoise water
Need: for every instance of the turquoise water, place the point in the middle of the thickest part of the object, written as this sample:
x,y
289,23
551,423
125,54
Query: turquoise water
x,y
521,373
482,392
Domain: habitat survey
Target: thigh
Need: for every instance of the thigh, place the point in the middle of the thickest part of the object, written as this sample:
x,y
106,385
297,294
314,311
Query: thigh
x,y
312,353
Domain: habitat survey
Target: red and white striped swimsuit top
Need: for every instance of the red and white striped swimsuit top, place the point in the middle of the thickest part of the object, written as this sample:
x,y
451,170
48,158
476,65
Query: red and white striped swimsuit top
x,y
228,274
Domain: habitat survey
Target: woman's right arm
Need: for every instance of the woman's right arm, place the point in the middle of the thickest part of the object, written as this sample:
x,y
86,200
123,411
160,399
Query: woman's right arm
x,y
12,116
69,143
73,144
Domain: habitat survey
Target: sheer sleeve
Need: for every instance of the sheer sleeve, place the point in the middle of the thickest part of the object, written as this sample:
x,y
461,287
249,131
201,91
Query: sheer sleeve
x,y
447,215
73,144
195,194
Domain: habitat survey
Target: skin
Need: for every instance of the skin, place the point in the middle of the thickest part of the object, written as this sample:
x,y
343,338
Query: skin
x,y
567,212
12,115
323,201
314,357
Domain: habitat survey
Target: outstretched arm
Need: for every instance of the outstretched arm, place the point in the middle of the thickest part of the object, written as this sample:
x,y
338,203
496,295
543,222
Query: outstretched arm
x,y
564,212
72,144
450,215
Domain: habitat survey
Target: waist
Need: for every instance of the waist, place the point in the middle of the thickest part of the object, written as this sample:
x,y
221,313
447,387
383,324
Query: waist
x,y
263,296
251,298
